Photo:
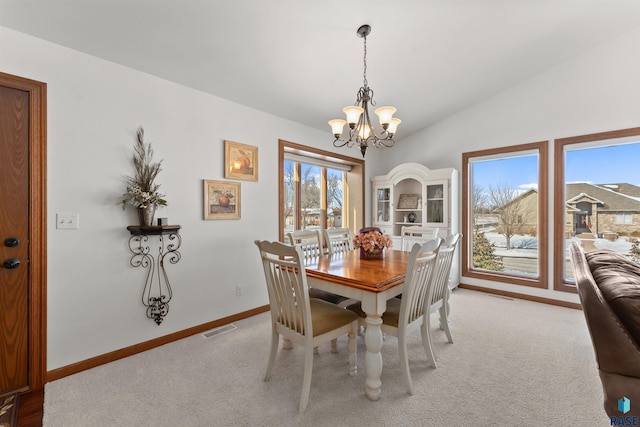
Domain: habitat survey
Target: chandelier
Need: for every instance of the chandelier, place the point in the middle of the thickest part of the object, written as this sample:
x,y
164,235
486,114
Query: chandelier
x,y
361,131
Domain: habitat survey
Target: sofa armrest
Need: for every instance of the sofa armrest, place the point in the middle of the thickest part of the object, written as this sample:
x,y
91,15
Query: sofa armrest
x,y
616,351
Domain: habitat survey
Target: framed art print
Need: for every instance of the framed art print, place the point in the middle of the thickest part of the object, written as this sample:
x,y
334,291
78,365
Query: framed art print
x,y
408,201
221,199
240,161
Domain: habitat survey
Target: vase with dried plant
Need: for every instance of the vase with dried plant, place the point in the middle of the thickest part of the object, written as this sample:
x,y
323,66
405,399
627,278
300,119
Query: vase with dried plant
x,y
142,190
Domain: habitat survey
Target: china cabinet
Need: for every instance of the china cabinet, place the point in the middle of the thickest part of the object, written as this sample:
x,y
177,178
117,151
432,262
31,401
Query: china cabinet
x,y
412,194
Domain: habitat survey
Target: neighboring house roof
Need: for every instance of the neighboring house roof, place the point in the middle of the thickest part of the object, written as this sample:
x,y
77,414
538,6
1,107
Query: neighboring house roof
x,y
608,196
569,208
583,197
623,188
517,199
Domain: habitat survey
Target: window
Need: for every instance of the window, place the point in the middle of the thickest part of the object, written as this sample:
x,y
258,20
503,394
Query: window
x,y
312,196
504,206
335,197
622,218
319,189
598,198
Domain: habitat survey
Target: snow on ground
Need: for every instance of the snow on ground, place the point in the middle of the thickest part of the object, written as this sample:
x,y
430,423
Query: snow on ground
x,y
527,246
621,245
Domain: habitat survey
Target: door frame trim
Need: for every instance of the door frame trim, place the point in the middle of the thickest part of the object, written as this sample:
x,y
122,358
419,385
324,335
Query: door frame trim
x,y
37,353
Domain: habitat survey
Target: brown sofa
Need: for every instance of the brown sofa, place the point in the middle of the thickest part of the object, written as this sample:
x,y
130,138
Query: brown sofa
x,y
609,289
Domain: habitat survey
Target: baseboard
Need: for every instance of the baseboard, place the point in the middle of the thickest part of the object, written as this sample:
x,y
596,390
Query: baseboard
x,y
64,371
550,301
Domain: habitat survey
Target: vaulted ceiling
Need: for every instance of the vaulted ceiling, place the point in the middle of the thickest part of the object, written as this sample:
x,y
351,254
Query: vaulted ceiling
x,y
302,59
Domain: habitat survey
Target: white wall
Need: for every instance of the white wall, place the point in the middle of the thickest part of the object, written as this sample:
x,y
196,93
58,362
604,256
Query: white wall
x,y
94,109
595,92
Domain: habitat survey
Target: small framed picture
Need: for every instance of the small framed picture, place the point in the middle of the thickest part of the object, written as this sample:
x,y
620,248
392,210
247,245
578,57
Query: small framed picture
x,y
240,161
221,199
408,201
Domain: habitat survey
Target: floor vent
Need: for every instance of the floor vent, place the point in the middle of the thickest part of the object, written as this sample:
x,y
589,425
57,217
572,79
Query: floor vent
x,y
500,296
221,330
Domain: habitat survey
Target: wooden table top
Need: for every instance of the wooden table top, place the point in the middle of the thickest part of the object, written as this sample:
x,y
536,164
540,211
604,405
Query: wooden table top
x,y
348,269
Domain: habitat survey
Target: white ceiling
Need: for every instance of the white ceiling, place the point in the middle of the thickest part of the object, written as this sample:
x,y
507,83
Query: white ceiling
x,y
302,59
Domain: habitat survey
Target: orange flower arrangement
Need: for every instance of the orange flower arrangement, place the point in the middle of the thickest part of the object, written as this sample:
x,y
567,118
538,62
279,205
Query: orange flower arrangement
x,y
372,240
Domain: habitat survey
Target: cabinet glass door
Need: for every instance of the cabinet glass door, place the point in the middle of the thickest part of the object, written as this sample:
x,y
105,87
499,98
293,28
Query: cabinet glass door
x,y
436,203
383,204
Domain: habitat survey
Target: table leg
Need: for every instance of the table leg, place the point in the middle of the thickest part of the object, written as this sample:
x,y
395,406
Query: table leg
x,y
373,357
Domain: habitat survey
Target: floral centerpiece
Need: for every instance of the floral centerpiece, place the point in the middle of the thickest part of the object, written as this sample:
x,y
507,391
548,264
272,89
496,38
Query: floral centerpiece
x,y
372,242
142,190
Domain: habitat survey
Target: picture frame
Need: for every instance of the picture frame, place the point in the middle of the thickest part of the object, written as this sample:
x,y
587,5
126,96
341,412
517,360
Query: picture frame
x,y
408,201
240,161
221,199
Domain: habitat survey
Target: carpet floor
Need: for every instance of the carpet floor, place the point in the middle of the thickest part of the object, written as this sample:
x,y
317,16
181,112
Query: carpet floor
x,y
513,363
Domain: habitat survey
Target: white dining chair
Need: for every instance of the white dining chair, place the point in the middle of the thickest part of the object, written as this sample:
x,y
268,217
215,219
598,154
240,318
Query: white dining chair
x,y
405,315
411,234
338,239
305,321
441,291
309,242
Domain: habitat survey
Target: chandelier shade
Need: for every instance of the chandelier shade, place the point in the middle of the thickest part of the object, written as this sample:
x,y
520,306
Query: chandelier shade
x,y
361,131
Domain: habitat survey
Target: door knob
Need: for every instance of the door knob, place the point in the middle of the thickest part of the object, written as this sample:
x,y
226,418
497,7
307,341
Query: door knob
x,y
11,242
11,263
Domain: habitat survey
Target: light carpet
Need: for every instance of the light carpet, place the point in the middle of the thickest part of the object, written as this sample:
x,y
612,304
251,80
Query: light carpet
x,y
512,363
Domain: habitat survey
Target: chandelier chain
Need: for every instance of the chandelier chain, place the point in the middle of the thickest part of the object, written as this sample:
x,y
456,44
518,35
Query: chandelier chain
x,y
364,60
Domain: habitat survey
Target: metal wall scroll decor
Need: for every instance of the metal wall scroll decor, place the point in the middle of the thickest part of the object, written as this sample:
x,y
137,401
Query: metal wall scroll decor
x,y
157,288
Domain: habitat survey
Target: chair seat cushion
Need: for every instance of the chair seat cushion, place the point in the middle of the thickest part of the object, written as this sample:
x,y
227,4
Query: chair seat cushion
x,y
389,317
619,281
327,317
327,296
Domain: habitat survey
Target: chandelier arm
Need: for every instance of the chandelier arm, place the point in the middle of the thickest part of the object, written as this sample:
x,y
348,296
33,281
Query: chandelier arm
x,y
387,142
367,120
341,143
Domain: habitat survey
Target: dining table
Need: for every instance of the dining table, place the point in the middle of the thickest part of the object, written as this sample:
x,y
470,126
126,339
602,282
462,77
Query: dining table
x,y
372,282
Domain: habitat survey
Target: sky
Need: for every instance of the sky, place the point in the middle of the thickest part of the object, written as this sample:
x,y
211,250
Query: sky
x,y
600,165
518,172
604,165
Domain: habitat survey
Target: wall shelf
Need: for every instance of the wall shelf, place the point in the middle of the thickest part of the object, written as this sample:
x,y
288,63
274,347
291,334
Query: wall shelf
x,y
157,288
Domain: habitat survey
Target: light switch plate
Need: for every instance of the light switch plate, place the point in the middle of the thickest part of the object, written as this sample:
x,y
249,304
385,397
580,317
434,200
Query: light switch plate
x,y
69,221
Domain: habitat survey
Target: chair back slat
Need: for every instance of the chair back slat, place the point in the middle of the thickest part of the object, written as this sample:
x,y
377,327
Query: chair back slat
x,y
422,262
309,242
287,285
338,239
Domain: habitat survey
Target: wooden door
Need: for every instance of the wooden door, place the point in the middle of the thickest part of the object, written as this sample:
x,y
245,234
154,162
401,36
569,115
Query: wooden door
x,y
22,235
14,238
